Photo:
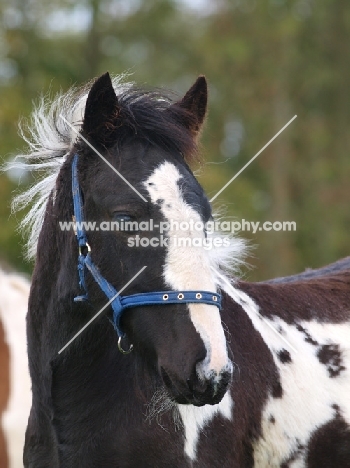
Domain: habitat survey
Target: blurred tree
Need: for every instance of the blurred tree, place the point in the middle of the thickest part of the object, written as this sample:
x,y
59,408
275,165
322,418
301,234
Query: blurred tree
x,y
265,62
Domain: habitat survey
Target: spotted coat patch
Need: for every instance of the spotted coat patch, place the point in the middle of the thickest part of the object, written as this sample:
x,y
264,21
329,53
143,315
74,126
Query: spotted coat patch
x,y
330,356
284,356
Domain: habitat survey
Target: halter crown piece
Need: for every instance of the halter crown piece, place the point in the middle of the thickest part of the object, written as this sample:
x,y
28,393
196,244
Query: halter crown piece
x,y
120,303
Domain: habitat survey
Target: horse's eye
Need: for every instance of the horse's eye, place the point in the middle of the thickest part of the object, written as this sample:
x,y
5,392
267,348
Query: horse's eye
x,y
125,222
122,217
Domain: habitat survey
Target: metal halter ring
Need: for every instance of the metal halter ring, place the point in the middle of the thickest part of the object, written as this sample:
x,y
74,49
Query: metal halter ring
x,y
86,246
123,350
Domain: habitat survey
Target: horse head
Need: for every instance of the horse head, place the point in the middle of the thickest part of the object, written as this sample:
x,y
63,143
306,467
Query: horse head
x,y
159,211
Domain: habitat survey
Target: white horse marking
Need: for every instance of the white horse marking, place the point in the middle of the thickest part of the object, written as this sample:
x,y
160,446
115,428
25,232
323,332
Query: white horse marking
x,y
195,418
188,267
14,291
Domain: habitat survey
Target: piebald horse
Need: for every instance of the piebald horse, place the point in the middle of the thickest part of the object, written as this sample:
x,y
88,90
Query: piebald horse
x,y
213,371
15,393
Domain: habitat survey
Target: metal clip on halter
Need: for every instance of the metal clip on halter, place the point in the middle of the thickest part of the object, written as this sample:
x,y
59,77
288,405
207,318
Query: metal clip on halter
x,y
123,350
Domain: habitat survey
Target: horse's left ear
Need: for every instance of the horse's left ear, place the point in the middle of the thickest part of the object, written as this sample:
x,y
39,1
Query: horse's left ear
x,y
195,102
101,112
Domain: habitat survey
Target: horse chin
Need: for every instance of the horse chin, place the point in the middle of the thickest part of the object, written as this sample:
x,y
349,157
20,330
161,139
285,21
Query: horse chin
x,y
195,401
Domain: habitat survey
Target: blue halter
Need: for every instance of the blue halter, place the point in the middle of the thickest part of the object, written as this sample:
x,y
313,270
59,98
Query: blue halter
x,y
120,303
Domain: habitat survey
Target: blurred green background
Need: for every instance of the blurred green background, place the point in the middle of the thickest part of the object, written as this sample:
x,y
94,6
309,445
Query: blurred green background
x,y
265,61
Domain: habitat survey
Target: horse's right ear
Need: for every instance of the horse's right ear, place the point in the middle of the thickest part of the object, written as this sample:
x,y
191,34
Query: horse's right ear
x,y
101,112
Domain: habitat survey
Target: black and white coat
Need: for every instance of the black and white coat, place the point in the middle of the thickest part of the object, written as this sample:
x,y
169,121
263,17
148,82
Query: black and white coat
x,y
285,345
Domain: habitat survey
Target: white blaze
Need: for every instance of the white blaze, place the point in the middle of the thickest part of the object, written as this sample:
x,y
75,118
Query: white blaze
x,y
187,266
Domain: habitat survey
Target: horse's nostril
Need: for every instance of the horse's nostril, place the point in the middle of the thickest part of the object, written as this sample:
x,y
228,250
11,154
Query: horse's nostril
x,y
197,385
226,378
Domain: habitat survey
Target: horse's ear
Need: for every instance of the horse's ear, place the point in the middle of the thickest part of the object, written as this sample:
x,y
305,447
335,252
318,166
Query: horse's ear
x,y
195,103
101,111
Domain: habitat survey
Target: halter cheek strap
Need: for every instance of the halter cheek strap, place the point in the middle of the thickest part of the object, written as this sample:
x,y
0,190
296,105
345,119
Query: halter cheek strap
x,y
121,303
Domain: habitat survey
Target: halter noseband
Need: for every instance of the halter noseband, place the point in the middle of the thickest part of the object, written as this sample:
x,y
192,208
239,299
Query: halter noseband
x,y
120,303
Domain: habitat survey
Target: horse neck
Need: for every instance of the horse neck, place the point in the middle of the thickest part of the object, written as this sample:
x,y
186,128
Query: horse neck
x,y
244,339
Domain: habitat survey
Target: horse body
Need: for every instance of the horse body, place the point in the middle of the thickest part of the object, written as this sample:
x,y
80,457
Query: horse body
x,y
15,393
263,383
305,416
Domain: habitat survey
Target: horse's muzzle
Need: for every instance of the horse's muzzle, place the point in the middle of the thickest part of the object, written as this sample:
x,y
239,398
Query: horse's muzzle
x,y
196,391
